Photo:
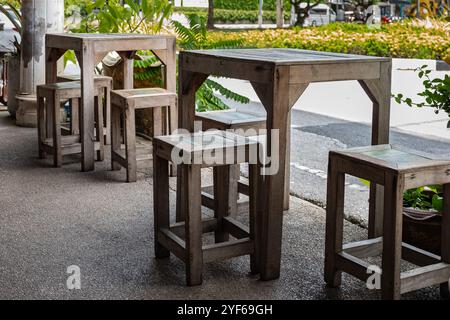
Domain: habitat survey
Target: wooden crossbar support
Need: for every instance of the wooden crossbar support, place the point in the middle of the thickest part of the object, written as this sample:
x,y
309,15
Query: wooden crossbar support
x,y
352,265
227,250
179,228
425,276
172,242
235,228
365,248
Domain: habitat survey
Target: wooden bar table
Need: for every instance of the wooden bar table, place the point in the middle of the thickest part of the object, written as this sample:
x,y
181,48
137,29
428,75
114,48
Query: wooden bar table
x,y
90,49
279,77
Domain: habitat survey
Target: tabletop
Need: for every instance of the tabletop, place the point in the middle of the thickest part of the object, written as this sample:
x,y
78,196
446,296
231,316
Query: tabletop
x,y
284,56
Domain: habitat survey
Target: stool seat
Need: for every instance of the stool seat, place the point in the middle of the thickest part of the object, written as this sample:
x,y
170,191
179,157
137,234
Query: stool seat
x,y
230,119
66,90
397,169
50,138
248,124
203,147
217,149
124,103
77,77
143,98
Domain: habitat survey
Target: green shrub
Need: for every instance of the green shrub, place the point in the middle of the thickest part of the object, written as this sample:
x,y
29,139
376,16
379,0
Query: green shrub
x,y
231,16
399,40
269,5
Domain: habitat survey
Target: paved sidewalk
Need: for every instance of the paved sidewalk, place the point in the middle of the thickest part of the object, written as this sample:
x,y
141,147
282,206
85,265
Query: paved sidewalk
x,y
54,218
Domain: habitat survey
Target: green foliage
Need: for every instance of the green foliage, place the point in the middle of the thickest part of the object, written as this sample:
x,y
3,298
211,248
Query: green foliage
x,y
436,93
79,7
195,36
269,5
112,17
424,198
146,17
406,39
234,16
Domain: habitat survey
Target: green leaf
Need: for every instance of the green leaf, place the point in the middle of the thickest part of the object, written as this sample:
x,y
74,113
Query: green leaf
x,y
438,203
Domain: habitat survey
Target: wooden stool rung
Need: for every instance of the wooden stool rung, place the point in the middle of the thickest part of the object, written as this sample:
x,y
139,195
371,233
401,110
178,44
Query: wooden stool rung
x,y
235,228
424,276
364,249
352,265
227,250
172,242
208,225
418,256
243,187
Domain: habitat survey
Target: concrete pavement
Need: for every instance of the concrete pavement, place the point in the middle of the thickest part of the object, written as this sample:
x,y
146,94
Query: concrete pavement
x,y
52,218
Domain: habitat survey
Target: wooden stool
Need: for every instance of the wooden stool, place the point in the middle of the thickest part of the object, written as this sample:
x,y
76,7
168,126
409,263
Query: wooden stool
x,y
51,140
397,170
104,84
245,123
125,102
184,239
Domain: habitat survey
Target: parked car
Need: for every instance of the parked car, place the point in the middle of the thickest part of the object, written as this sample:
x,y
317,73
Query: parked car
x,y
320,15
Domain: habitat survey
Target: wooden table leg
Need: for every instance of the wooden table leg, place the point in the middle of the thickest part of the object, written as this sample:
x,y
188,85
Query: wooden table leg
x,y
379,92
189,83
275,98
87,64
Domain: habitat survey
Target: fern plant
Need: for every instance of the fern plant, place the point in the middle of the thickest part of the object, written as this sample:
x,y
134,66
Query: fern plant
x,y
146,17
194,37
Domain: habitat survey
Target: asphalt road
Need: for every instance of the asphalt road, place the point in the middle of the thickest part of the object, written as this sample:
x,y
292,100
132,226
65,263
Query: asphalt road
x,y
313,136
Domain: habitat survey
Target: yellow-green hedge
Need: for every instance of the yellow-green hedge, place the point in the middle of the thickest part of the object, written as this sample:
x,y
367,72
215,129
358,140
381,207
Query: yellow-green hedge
x,y
400,40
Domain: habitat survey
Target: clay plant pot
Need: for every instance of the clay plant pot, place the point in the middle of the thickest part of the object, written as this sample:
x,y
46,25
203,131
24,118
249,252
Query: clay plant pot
x,y
422,229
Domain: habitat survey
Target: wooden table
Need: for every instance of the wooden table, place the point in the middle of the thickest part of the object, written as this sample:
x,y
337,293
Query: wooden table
x,y
90,49
279,77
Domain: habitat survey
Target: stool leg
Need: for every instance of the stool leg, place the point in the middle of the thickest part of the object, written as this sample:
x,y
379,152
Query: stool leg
x,y
234,174
130,144
99,129
392,237
115,136
74,116
445,245
56,117
192,208
172,125
221,177
107,114
157,122
41,124
161,201
334,222
49,118
255,184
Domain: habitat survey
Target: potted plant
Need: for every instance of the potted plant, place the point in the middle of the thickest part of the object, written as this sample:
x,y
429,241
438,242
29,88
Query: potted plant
x,y
422,213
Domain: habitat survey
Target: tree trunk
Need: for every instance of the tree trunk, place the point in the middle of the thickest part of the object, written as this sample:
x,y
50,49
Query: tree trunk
x,y
280,15
210,24
302,14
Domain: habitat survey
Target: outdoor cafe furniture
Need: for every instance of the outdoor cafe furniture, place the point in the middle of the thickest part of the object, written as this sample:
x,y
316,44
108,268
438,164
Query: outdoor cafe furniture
x,y
103,82
397,170
124,104
90,49
243,123
279,77
215,149
50,138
